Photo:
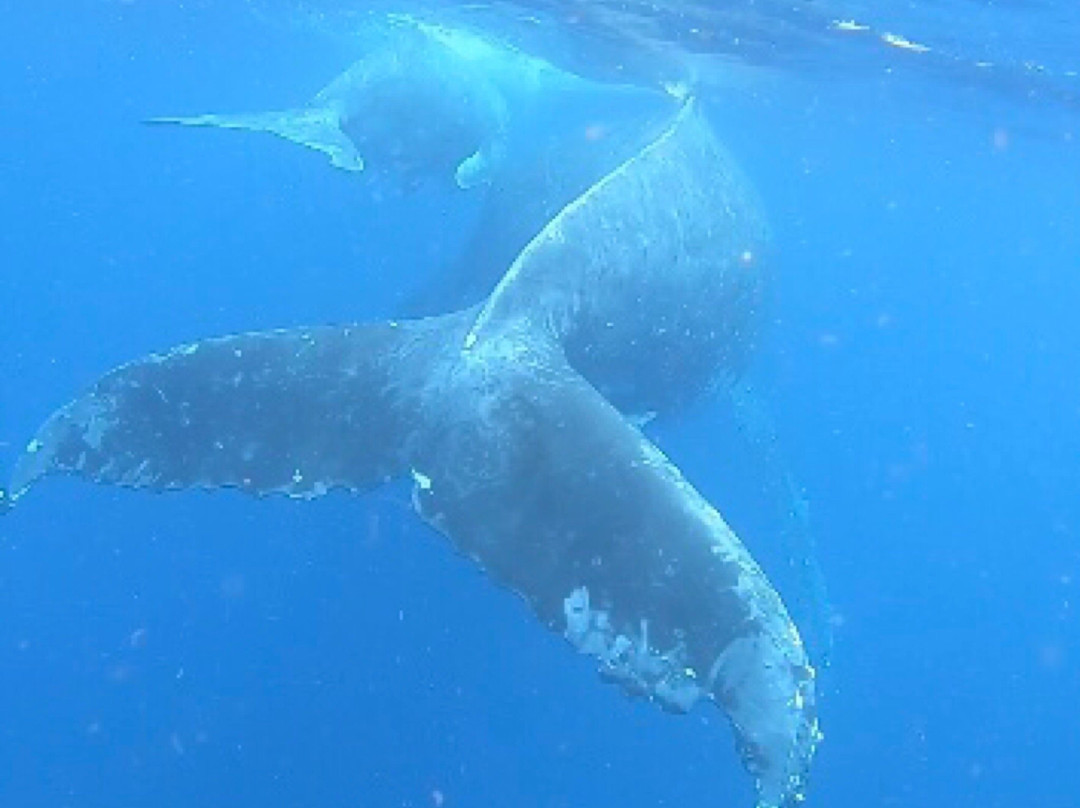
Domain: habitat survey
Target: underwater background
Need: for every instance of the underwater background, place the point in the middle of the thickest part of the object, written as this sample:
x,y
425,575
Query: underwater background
x,y
920,367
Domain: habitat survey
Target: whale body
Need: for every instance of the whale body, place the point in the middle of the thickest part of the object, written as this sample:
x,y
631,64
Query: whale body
x,y
508,417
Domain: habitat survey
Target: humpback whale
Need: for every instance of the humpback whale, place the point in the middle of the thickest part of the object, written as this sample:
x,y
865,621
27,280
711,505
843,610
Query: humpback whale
x,y
428,101
508,417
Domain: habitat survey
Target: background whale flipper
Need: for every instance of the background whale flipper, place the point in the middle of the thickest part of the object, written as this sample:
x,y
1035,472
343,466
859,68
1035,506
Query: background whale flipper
x,y
542,481
316,128
297,412
476,169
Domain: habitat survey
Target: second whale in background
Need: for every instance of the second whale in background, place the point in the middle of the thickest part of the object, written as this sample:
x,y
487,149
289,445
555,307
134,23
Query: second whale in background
x,y
428,101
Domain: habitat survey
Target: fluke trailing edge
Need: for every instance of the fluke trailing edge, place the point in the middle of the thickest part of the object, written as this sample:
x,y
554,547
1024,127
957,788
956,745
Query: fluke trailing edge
x,y
510,418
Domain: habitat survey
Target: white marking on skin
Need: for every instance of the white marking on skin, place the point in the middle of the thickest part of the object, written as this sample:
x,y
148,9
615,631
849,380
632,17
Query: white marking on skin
x,y
629,659
95,432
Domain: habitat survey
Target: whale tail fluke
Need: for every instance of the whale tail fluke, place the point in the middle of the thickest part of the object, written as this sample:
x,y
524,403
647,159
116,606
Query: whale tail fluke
x,y
297,412
517,459
315,128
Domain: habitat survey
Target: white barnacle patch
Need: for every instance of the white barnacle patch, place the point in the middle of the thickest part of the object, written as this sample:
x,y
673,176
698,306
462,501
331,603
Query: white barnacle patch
x,y
95,431
34,446
423,482
627,657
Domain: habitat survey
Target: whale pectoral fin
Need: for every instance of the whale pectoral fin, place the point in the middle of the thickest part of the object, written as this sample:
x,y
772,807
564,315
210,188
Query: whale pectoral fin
x,y
296,412
477,168
472,171
561,499
315,128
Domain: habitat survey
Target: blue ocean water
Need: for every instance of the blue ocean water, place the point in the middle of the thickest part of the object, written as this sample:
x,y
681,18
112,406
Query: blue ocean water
x,y
211,649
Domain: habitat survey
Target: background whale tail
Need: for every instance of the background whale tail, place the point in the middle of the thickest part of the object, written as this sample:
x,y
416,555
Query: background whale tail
x,y
313,127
